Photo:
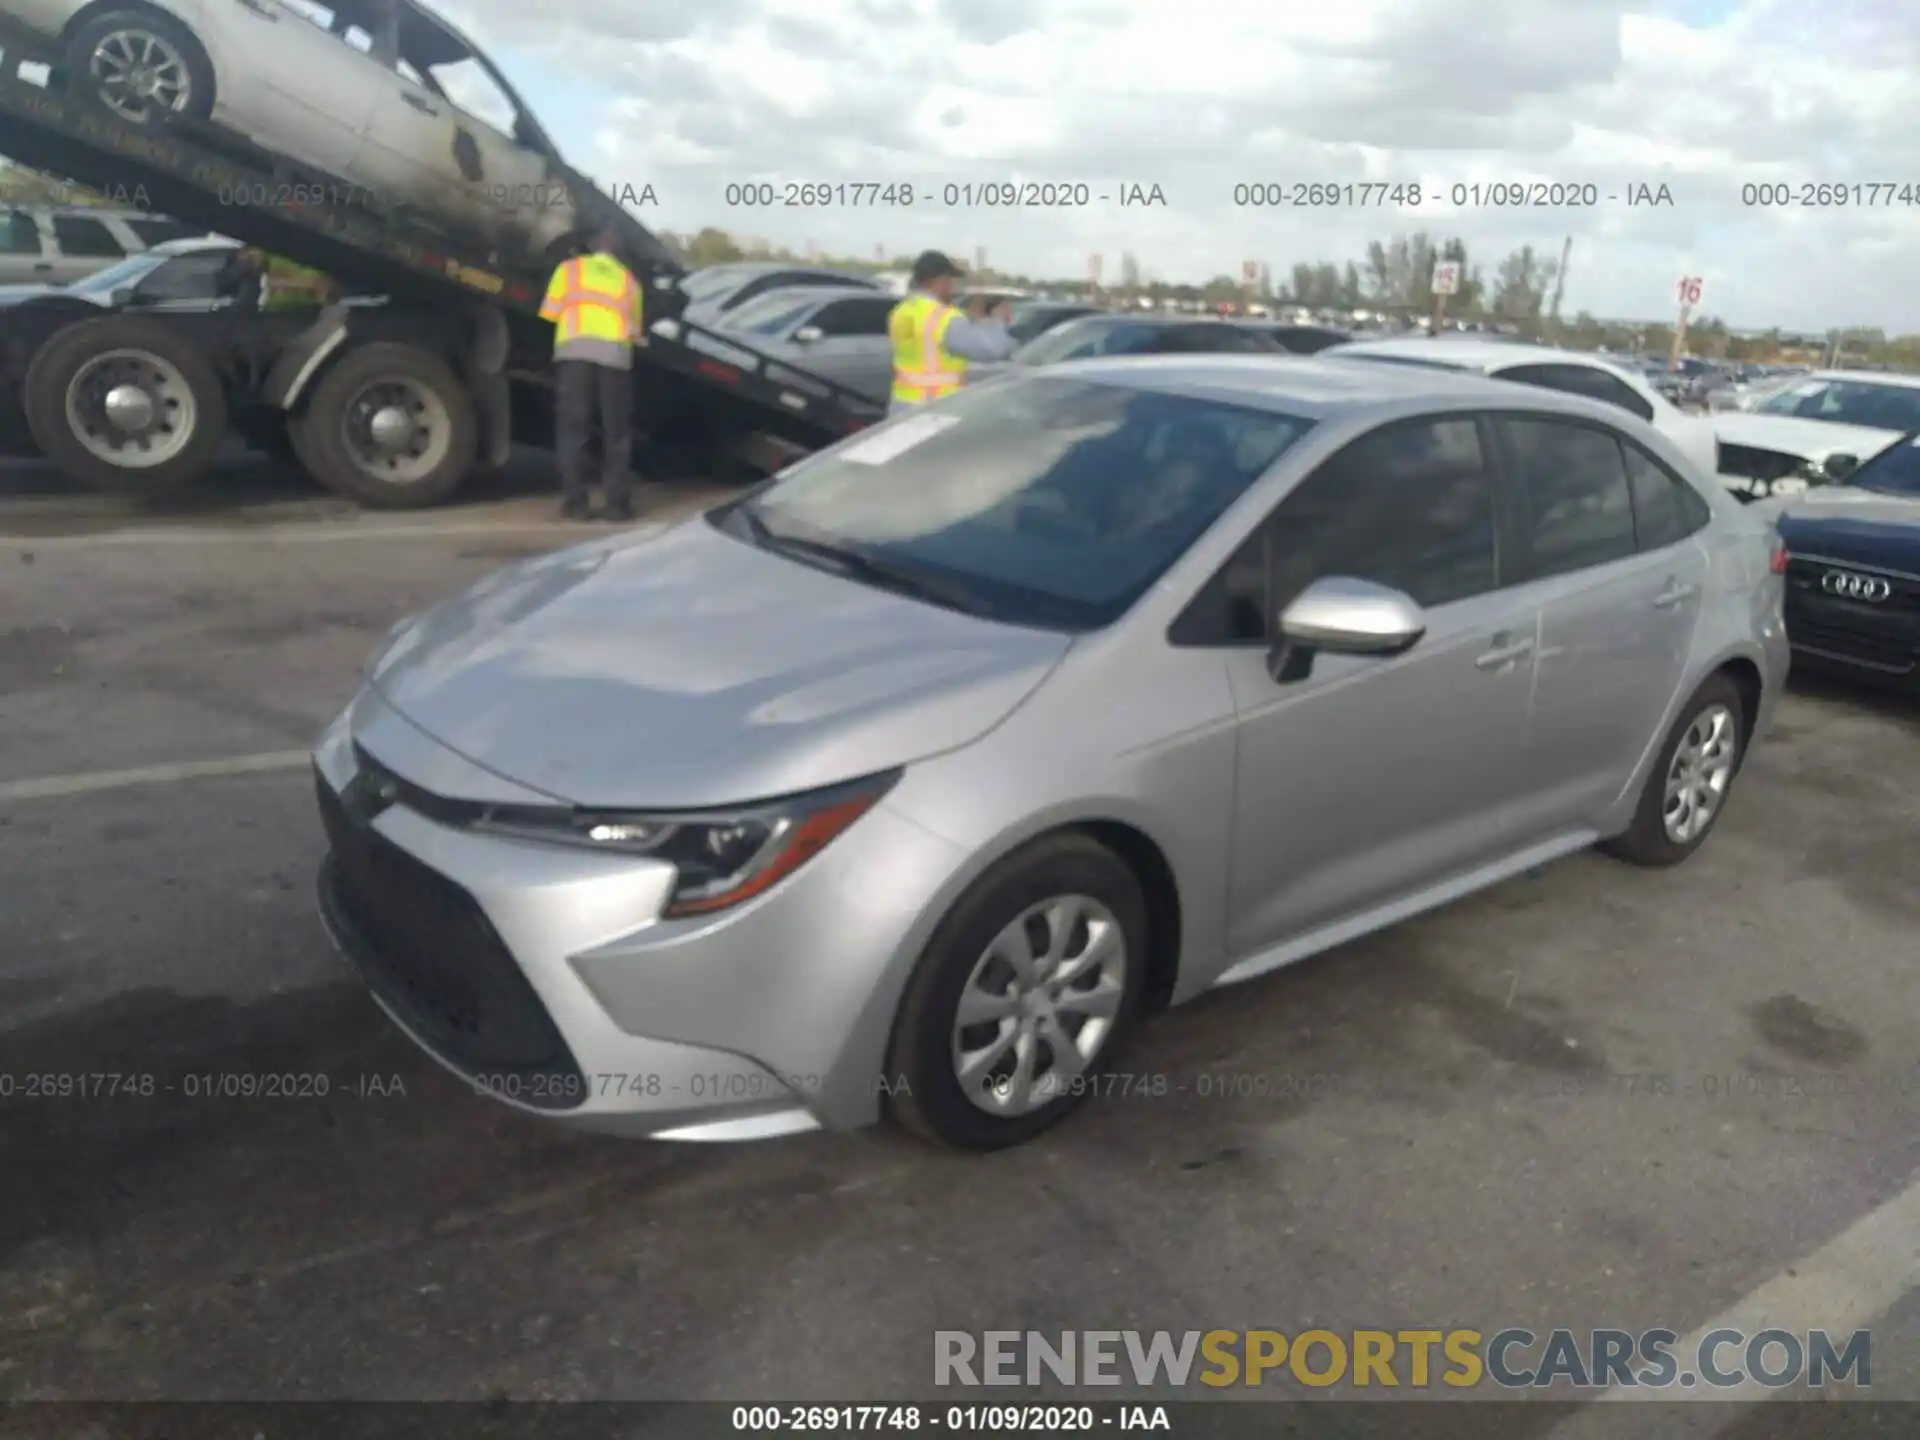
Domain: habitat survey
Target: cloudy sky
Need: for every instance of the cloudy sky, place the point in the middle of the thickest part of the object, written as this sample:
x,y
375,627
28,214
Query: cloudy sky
x,y
1198,96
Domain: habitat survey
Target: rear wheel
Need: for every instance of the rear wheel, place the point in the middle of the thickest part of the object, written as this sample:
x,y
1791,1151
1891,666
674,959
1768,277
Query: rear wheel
x,y
126,405
143,66
1688,787
390,426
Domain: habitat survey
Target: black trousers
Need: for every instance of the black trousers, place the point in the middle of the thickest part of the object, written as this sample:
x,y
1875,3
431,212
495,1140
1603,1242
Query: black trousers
x,y
585,392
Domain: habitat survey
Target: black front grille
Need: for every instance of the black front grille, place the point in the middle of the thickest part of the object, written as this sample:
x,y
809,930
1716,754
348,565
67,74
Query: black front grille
x,y
1895,654
427,950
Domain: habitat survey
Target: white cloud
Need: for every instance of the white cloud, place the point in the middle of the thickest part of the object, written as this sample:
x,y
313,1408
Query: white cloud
x,y
1197,95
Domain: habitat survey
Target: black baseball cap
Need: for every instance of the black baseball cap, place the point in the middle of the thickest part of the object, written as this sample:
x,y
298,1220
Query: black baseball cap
x,y
933,265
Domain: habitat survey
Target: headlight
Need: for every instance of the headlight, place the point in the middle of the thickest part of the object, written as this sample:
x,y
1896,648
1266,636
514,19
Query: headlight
x,y
723,857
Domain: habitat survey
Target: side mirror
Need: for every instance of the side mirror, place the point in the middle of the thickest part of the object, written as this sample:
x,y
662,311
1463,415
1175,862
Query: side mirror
x,y
121,297
1839,467
1344,616
808,334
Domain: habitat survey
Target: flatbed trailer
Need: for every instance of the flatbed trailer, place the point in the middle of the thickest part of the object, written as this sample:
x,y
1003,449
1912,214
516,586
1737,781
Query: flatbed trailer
x,y
392,400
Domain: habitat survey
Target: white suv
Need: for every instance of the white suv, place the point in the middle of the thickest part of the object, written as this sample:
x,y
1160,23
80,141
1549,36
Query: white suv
x,y
57,246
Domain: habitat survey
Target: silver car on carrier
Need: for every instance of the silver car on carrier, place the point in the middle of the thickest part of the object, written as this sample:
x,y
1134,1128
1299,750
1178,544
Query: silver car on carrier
x,y
908,781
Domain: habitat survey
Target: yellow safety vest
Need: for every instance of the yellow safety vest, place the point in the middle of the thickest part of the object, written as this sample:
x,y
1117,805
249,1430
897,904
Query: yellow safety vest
x,y
922,368
593,297
288,286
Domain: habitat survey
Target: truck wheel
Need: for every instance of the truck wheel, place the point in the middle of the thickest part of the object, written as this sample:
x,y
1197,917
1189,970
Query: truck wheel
x,y
126,405
390,426
144,66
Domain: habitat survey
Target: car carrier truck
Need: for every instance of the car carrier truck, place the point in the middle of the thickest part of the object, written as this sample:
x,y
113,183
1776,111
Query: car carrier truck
x,y
393,398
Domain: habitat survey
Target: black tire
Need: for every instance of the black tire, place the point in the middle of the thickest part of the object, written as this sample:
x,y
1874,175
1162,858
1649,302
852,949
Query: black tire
x,y
138,20
64,358
319,434
1646,842
932,1104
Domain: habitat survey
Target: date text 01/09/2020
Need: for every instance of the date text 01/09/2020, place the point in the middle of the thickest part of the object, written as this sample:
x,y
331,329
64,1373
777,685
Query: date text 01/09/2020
x,y
953,195
953,1419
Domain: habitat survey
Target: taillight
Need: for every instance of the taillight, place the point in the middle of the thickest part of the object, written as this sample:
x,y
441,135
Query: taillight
x,y
1778,562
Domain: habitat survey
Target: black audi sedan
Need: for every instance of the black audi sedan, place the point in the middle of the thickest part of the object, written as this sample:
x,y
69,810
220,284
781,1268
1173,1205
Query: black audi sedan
x,y
1853,570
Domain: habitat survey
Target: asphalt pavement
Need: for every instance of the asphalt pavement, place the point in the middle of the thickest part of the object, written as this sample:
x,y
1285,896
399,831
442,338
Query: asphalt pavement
x,y
1456,1123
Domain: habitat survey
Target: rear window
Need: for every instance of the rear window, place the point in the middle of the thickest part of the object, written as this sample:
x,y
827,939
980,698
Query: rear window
x,y
159,232
18,234
1042,501
772,314
1082,340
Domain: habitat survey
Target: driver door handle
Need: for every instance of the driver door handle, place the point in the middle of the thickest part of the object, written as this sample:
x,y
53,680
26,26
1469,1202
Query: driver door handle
x,y
262,9
1503,654
1674,594
417,103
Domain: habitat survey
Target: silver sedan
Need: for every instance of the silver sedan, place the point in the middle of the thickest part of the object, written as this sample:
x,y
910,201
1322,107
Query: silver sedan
x,y
907,784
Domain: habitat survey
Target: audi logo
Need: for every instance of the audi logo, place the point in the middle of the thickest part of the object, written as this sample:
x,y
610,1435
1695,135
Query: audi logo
x,y
1849,586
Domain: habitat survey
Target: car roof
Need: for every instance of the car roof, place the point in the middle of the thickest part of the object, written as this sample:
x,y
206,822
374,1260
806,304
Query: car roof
x,y
1867,377
1316,386
1145,317
193,244
1471,354
821,293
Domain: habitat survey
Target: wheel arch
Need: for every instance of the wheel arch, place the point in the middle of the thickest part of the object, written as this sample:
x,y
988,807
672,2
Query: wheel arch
x,y
1747,680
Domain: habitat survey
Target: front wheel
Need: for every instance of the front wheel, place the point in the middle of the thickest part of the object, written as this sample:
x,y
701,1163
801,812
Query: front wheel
x,y
126,405
1022,997
1688,787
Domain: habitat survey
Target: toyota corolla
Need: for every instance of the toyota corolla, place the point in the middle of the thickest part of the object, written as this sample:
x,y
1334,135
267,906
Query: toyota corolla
x,y
907,782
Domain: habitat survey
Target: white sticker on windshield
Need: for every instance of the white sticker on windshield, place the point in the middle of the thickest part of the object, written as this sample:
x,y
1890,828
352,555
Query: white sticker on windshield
x,y
891,441
1801,392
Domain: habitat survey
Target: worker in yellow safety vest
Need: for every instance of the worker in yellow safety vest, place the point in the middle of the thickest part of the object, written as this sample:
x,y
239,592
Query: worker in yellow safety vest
x,y
288,286
933,341
596,306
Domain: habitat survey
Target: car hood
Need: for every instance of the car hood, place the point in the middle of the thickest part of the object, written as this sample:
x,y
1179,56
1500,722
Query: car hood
x,y
687,669
1862,526
1806,439
20,294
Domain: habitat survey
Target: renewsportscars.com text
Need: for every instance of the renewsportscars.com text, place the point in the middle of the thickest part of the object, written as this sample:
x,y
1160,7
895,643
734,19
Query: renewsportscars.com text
x,y
1513,1359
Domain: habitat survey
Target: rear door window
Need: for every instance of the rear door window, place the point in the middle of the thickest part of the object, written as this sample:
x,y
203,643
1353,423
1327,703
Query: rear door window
x,y
1579,507
1666,509
19,235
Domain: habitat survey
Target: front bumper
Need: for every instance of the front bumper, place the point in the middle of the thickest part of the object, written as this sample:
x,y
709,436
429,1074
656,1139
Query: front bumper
x,y
544,976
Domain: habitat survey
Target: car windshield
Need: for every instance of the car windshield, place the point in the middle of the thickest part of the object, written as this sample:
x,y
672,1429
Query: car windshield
x,y
1043,502
130,271
772,314
1082,339
1848,402
1892,472
711,284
